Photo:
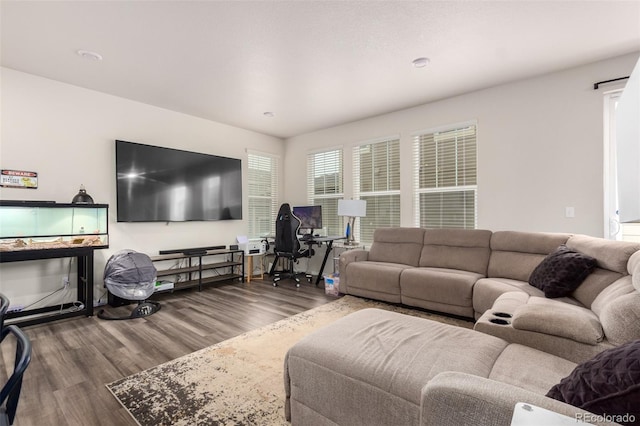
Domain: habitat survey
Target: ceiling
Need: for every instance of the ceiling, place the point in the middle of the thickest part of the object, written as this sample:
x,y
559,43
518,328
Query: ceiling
x,y
314,64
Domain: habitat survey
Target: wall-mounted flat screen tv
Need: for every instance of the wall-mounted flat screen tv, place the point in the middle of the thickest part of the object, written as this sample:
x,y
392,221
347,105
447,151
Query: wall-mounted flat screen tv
x,y
156,184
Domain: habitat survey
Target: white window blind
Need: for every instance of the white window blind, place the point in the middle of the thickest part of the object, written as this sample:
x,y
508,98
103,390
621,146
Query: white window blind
x,y
324,187
376,179
445,172
263,194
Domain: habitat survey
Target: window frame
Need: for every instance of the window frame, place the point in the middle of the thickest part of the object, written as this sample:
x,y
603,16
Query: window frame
x,y
333,226
274,175
391,142
417,140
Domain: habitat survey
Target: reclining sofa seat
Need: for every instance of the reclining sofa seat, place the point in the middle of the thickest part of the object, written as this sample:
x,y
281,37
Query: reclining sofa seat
x,y
376,273
451,262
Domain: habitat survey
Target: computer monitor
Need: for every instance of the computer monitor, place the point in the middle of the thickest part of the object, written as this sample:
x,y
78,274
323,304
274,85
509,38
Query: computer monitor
x,y
310,217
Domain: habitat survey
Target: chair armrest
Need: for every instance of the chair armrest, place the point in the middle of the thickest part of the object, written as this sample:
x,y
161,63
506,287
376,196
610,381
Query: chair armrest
x,y
460,399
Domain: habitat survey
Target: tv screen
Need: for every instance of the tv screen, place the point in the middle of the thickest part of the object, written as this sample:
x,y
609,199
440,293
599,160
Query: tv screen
x,y
156,184
310,217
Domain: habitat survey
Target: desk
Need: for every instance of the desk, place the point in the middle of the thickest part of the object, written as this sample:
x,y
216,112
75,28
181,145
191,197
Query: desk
x,y
319,240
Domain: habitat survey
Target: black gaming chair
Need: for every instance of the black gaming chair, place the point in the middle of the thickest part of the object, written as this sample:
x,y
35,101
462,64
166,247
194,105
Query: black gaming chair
x,y
287,245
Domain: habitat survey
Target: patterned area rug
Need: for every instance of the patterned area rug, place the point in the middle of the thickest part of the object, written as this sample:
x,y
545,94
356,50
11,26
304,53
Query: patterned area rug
x,y
238,381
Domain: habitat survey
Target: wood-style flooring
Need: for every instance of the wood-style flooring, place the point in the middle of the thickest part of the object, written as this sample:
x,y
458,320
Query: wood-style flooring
x,y
73,359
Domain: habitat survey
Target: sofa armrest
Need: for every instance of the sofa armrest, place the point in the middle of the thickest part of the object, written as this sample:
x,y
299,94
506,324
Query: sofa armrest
x,y
460,399
347,257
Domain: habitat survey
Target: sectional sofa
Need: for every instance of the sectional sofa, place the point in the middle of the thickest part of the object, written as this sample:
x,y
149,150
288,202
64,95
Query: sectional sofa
x,y
377,367
479,273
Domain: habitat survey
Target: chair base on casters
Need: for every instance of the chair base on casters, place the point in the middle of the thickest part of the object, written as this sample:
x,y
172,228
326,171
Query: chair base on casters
x,y
290,271
144,309
295,276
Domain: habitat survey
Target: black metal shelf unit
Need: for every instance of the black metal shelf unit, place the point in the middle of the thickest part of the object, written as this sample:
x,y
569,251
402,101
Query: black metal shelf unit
x,y
232,261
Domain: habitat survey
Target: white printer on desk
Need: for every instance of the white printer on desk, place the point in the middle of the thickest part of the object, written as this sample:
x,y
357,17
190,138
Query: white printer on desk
x,y
250,247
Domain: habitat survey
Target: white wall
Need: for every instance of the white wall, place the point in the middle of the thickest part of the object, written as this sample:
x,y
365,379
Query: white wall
x,y
540,148
66,134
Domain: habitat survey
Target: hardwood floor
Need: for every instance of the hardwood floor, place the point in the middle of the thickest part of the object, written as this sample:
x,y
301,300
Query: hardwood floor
x,y
73,359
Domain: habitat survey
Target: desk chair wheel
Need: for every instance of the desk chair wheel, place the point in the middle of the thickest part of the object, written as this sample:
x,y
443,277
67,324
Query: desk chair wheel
x,y
275,282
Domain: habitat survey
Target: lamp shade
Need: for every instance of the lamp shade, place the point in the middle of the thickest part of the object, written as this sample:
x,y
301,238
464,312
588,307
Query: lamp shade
x,y
352,208
82,197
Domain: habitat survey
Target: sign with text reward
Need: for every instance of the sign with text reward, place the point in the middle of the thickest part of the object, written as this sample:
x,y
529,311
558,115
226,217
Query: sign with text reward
x,y
18,179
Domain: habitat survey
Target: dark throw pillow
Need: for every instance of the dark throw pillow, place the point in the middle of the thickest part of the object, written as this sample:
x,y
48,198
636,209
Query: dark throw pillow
x,y
561,272
608,384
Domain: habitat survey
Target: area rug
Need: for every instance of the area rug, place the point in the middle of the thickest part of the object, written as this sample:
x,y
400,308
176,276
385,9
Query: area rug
x,y
238,381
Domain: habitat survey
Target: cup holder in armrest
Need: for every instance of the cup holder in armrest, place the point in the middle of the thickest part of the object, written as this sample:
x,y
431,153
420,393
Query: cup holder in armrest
x,y
499,321
502,315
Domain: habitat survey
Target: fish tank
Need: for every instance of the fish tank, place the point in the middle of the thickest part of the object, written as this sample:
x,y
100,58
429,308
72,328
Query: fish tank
x,y
42,225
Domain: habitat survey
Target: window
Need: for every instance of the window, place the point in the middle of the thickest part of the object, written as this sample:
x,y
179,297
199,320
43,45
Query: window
x,y
445,178
324,187
263,194
376,179
612,226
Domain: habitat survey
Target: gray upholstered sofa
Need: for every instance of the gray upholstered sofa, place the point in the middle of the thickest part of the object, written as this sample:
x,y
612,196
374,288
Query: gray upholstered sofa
x,y
479,273
375,367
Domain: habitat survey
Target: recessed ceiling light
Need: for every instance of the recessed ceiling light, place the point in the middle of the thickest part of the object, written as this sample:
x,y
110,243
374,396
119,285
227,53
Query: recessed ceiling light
x,y
420,62
87,54
268,114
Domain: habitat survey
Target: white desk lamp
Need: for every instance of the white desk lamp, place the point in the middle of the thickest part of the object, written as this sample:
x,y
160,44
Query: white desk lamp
x,y
352,209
